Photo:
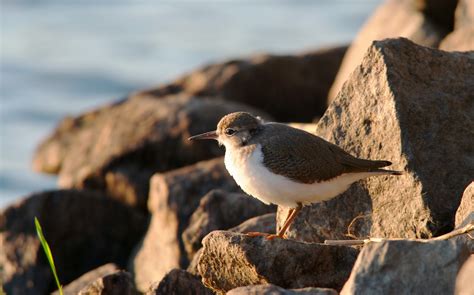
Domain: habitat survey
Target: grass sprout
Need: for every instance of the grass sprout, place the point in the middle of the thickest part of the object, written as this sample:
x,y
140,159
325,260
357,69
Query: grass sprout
x,y
48,253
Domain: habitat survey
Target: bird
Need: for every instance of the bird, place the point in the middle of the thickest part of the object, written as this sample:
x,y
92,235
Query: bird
x,y
286,166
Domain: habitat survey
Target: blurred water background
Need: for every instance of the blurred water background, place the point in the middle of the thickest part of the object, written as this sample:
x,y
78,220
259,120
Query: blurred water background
x,y
63,57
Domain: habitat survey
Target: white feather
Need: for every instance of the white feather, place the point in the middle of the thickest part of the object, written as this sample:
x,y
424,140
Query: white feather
x,y
258,181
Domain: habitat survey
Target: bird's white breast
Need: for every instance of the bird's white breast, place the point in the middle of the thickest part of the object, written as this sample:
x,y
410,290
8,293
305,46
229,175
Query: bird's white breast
x,y
246,166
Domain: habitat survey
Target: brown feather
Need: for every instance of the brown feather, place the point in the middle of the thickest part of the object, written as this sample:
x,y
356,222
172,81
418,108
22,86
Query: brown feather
x,y
307,158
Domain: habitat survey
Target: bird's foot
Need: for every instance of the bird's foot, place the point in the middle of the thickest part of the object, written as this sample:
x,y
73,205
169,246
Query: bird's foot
x,y
266,235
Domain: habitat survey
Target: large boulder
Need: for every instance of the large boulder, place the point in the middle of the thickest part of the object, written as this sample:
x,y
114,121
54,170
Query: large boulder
x,y
220,210
407,267
84,230
413,106
270,289
179,282
289,87
117,148
174,196
462,38
230,260
393,18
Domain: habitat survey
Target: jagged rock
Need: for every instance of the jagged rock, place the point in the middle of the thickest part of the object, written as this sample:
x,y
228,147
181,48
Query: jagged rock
x,y
173,198
413,106
464,285
88,278
290,88
117,283
84,230
179,282
407,267
393,18
117,148
230,260
220,210
264,224
462,38
275,290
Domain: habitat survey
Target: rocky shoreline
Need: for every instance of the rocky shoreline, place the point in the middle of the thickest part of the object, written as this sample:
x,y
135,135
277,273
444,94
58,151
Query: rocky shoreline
x,y
140,209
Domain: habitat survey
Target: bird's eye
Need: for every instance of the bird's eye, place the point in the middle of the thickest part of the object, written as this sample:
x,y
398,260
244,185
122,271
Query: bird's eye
x,y
229,131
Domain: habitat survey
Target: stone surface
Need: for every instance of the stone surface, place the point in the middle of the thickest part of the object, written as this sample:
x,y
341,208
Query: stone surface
x,y
179,282
84,230
290,88
393,18
117,283
407,267
230,260
465,212
117,148
174,196
264,224
464,285
220,210
88,278
275,290
462,38
413,106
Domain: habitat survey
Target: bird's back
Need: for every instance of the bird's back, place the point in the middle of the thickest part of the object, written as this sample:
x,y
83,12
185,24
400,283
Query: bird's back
x,y
307,158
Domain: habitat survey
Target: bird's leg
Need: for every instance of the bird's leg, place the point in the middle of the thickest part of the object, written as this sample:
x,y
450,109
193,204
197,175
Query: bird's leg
x,y
259,234
289,220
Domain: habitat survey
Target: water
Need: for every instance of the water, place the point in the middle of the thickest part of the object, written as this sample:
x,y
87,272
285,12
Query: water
x,y
63,57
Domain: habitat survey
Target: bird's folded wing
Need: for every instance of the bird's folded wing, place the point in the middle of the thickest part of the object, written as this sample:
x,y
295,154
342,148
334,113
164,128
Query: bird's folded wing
x,y
307,158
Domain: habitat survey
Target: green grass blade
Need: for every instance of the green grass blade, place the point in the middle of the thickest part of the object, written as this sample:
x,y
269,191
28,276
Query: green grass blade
x,y
48,253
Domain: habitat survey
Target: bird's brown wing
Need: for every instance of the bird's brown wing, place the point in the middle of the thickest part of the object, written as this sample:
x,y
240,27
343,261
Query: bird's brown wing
x,y
306,158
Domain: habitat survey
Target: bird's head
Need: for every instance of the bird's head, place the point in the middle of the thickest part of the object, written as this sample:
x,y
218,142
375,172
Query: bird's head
x,y
233,130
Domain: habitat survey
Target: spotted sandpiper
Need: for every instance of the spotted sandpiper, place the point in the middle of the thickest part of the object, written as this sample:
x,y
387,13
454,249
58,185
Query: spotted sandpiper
x,y
289,167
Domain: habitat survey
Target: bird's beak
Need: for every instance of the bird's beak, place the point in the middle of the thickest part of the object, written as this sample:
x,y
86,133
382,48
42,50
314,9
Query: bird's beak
x,y
207,135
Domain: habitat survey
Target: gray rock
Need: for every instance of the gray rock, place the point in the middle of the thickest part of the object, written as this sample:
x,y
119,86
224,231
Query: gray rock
x,y
117,283
173,198
84,230
393,18
179,282
407,267
290,88
117,148
462,38
220,210
402,104
230,260
275,290
88,278
264,224
464,285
